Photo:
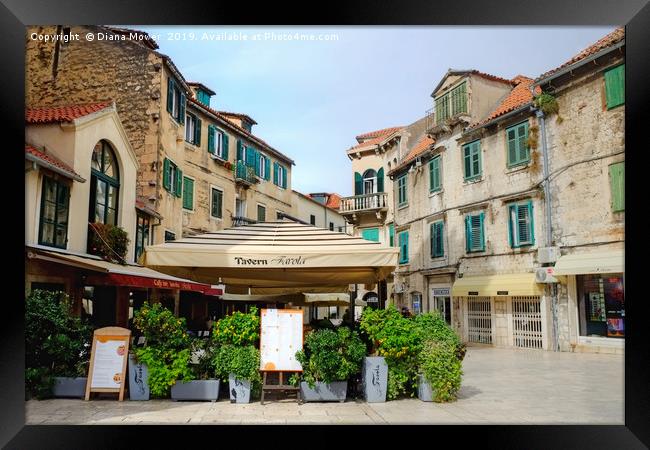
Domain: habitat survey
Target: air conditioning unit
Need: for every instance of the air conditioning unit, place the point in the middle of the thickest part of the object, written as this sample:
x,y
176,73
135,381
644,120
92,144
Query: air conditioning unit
x,y
545,275
548,255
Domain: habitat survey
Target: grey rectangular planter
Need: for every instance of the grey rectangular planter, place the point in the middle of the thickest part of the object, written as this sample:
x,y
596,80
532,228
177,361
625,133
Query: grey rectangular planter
x,y
240,390
335,391
69,387
138,380
199,390
374,376
425,391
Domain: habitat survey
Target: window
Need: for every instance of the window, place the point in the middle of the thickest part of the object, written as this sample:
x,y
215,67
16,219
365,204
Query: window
x,y
601,300
141,234
172,178
437,244
518,150
53,226
193,129
312,219
452,103
403,239
370,234
617,184
188,193
472,160
331,226
263,166
474,235
402,200
615,86
434,175
369,181
169,236
520,224
217,143
279,175
261,213
104,185
217,203
175,101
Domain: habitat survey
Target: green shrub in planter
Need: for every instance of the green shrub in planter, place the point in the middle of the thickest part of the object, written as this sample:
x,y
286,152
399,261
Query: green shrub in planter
x,y
241,361
331,355
431,326
57,343
238,329
440,366
108,241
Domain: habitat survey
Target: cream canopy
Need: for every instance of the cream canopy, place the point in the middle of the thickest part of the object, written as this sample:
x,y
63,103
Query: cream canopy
x,y
275,257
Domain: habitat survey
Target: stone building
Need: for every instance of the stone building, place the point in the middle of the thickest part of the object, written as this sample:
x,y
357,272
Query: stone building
x,y
585,141
320,209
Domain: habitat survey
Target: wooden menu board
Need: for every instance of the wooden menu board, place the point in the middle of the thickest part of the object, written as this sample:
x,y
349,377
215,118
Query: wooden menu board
x,y
108,357
280,339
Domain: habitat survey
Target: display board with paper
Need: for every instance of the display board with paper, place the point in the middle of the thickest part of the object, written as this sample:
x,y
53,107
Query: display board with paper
x,y
280,339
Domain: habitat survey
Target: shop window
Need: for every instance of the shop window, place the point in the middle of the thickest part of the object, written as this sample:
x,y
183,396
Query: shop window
x,y
52,287
53,225
442,303
602,305
104,185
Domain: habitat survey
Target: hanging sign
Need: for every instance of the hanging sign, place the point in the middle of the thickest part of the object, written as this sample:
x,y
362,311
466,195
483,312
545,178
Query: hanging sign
x,y
280,339
108,357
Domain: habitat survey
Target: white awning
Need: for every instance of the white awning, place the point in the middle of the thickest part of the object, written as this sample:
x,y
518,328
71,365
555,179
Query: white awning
x,y
609,261
495,285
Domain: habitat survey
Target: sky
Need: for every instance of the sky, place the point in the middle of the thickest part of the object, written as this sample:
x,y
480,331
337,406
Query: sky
x,y
313,89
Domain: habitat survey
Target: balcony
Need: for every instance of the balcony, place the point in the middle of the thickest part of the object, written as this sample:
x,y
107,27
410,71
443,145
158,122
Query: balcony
x,y
240,221
367,203
449,110
245,175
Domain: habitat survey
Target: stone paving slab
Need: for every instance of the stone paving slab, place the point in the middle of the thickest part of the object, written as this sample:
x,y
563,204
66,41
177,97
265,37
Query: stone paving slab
x,y
500,386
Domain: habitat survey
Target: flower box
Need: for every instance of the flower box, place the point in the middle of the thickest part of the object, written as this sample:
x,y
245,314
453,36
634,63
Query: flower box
x,y
199,390
335,391
374,376
69,387
138,380
240,390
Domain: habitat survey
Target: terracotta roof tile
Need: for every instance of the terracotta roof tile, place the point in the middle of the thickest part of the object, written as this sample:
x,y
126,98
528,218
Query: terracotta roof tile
x,y
420,147
374,137
333,201
378,133
239,116
51,159
67,113
607,41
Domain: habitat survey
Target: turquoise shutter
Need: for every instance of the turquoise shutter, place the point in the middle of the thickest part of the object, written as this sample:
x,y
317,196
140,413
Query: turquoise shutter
x,y
481,231
434,174
468,234
467,157
267,168
522,131
615,86
240,150
405,247
512,214
166,175
170,95
617,185
476,159
284,176
257,163
391,234
380,180
437,246
179,182
251,161
211,135
224,145
358,184
197,132
275,173
188,193
531,223
432,239
181,110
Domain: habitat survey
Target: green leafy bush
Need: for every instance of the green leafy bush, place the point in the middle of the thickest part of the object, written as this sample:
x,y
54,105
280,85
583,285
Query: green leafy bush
x,y
432,326
547,103
441,367
204,369
108,241
57,343
238,329
241,361
330,355
167,351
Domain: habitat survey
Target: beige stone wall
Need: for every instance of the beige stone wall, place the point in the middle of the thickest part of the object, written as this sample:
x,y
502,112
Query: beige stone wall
x,y
303,208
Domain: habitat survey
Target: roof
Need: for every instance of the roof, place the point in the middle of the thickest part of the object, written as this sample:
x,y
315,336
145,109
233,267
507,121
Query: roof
x,y
487,76
519,96
377,133
141,204
202,86
51,162
420,147
333,199
612,38
67,113
239,129
375,137
239,116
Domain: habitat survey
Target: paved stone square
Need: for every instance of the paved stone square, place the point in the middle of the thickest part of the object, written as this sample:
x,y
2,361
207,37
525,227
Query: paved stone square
x,y
500,386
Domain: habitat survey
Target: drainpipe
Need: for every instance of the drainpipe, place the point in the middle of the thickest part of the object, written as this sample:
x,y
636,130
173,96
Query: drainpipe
x,y
549,226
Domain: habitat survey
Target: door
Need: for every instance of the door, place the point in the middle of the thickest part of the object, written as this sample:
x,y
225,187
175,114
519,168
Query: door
x,y
479,320
527,322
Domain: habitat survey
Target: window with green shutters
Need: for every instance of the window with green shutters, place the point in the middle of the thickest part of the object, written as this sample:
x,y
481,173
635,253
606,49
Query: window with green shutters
x,y
279,175
261,213
452,103
172,178
615,86
403,239
435,183
370,234
53,224
474,233
518,151
437,243
380,180
358,184
521,229
175,101
472,160
263,167
391,234
402,199
217,203
188,193
193,129
617,184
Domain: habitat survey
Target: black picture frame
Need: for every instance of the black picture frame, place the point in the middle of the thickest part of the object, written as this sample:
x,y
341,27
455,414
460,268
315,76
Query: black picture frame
x,y
635,14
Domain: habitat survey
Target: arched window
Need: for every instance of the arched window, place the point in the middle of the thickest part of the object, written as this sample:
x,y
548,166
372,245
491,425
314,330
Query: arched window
x,y
369,181
104,185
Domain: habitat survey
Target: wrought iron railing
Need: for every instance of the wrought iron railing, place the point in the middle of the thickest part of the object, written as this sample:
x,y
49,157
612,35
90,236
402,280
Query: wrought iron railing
x,y
378,200
245,173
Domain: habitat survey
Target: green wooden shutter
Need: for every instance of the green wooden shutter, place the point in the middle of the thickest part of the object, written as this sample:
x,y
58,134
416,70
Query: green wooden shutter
x,y
512,214
437,245
434,174
617,181
267,168
181,110
391,234
481,231
224,145
380,180
211,134
197,131
170,95
257,163
468,234
615,86
179,182
467,156
275,173
240,150
251,161
358,184
188,193
284,176
476,162
405,247
370,234
166,175
512,146
522,135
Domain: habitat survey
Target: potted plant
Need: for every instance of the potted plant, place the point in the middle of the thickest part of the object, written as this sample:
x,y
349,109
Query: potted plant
x,y
328,359
57,347
166,352
440,372
236,356
204,385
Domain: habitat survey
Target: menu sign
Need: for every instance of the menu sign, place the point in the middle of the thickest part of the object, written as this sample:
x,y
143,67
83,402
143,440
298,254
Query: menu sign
x,y
107,371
